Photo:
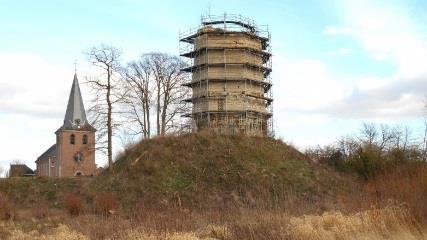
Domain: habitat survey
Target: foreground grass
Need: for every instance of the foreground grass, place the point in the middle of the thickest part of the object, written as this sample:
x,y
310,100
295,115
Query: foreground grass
x,y
392,222
202,186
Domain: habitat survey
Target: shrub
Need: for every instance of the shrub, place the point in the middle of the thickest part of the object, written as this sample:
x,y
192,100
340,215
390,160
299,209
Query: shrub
x,y
334,159
105,203
368,162
73,204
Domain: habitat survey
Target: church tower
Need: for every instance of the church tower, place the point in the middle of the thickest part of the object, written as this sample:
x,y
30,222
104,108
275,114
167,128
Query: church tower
x,y
75,139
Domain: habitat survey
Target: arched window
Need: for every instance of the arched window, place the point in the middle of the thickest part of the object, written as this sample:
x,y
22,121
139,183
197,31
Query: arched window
x,y
85,139
72,139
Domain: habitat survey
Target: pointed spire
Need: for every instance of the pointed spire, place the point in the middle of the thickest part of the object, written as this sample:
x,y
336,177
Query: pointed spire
x,y
75,116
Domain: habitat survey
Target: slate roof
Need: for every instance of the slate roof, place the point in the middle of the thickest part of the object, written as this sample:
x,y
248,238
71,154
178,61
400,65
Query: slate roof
x,y
51,152
75,116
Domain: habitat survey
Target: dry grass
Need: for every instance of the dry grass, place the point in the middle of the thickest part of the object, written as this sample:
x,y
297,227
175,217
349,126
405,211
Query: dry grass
x,y
391,222
403,184
390,206
105,203
61,232
7,209
40,210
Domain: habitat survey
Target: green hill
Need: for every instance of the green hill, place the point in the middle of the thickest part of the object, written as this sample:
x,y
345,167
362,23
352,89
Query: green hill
x,y
206,169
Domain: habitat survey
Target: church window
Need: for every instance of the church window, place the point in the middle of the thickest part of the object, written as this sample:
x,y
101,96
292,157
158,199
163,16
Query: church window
x,y
72,139
78,157
85,139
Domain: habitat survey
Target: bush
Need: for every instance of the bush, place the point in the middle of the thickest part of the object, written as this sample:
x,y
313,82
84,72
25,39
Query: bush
x,y
367,163
105,203
334,159
7,211
73,204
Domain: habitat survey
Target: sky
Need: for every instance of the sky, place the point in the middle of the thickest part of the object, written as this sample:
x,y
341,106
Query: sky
x,y
336,63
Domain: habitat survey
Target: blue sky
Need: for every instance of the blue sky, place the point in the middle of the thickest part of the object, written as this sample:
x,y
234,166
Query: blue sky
x,y
336,64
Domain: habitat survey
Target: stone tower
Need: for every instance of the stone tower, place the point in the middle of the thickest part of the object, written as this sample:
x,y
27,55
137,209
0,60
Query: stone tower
x,y
230,62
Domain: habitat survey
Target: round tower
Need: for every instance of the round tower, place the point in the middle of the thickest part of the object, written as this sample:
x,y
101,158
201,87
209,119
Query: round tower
x,y
230,62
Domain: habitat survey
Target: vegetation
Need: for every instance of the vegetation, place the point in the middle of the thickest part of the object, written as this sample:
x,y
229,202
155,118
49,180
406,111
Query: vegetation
x,y
126,95
205,169
107,91
375,150
208,186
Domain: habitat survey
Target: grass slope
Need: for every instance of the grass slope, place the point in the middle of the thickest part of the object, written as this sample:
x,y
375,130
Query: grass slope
x,y
26,191
205,168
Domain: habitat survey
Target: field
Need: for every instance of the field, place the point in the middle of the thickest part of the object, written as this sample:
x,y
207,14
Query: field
x,y
204,186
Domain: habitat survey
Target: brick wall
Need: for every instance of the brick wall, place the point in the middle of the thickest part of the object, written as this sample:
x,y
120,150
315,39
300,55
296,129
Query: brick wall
x,y
66,153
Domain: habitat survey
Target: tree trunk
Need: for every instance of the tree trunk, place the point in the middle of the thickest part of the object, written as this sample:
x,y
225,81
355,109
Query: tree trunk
x,y
425,143
165,108
158,109
144,111
109,122
147,114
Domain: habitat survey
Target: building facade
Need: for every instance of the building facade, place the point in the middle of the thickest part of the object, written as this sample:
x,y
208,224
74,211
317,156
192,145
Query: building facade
x,y
74,151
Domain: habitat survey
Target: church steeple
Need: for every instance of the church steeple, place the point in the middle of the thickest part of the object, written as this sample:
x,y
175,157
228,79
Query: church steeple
x,y
75,116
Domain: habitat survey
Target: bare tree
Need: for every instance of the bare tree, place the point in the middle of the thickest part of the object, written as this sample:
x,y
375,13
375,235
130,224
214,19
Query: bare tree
x,y
159,80
348,146
138,76
368,133
387,136
106,86
401,137
172,78
1,171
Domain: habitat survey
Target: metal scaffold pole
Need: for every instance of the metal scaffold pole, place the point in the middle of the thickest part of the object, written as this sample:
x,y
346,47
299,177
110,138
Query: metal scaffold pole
x,y
231,59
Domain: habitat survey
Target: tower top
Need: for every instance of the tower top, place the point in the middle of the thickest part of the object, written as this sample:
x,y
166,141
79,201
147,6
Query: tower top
x,y
75,115
75,68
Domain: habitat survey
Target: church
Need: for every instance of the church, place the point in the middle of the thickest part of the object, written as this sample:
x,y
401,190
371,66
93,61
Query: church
x,y
73,154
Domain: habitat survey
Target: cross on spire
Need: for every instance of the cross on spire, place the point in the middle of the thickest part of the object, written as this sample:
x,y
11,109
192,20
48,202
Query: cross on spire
x,y
75,66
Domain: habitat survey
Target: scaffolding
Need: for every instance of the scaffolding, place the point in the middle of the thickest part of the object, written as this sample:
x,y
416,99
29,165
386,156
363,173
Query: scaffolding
x,y
229,57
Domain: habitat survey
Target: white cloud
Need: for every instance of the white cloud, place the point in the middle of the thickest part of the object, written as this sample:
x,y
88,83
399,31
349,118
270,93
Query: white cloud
x,y
386,33
371,83
304,85
378,98
32,86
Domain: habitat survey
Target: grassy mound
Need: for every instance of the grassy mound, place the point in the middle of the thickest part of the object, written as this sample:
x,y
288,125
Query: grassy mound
x,y
203,169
